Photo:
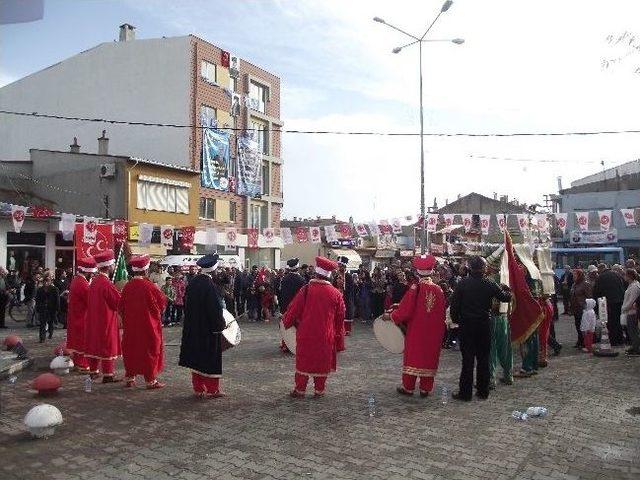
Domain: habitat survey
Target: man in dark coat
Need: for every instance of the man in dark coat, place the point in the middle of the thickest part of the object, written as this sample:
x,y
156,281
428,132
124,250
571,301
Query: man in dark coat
x,y
610,285
291,283
343,281
47,305
201,348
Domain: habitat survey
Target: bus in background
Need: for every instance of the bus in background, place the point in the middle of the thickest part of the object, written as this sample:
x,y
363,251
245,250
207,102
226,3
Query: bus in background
x,y
585,256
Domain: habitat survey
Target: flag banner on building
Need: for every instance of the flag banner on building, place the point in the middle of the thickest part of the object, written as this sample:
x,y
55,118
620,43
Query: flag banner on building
x,y
448,219
145,232
467,221
186,237
542,222
502,222
120,275
252,238
120,229
526,313
166,236
224,58
374,230
230,238
302,234
330,233
361,230
269,235
629,217
385,227
561,221
67,226
211,239
593,237
396,225
103,240
18,213
485,223
215,159
583,220
523,222
314,234
90,229
605,220
249,167
344,230
432,222
287,238
41,211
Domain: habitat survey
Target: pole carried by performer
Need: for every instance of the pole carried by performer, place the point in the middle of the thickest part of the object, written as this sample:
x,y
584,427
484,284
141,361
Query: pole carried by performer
x,y
344,283
77,311
141,306
291,283
102,337
423,311
317,311
201,347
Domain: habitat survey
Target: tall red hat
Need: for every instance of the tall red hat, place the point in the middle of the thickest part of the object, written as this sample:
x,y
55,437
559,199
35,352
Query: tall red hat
x,y
324,266
424,264
139,263
87,265
104,258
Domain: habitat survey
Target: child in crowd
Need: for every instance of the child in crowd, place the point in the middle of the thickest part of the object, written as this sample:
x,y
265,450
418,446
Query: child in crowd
x,y
588,324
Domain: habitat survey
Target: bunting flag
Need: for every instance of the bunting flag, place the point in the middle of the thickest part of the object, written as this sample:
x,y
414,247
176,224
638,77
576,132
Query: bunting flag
x,y
145,231
396,226
269,235
385,227
448,219
467,221
211,239
287,238
67,225
166,234
432,222
485,223
344,229
41,211
583,220
502,221
628,215
373,229
361,230
302,234
523,222
314,234
187,236
252,238
561,221
526,313
120,229
605,219
230,238
330,233
17,215
542,222
90,230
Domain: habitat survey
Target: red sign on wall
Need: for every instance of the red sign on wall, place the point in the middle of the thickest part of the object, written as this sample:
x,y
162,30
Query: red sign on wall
x,y
104,240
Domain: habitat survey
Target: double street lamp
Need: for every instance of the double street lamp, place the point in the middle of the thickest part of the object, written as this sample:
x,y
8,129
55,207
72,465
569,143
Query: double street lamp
x,y
420,40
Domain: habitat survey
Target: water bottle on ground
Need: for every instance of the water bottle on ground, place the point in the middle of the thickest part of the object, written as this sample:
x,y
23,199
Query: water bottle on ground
x,y
372,405
444,395
88,383
519,415
537,412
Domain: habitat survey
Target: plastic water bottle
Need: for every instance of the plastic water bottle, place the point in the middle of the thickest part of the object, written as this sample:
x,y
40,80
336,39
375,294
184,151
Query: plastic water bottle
x,y
537,412
88,383
520,415
444,395
372,405
12,380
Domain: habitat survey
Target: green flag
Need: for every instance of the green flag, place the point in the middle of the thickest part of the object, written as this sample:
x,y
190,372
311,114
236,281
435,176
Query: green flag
x,y
120,275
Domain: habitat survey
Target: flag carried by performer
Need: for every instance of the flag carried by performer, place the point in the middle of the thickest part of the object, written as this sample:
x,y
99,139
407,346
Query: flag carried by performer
x,y
120,275
526,313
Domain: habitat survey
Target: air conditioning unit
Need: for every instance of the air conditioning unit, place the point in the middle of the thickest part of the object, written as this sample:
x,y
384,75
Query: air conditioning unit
x,y
107,170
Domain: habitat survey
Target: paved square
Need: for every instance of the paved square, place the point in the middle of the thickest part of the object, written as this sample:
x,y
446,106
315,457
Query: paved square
x,y
258,432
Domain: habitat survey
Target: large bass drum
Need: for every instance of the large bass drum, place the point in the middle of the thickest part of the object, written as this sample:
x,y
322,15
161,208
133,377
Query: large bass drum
x,y
231,334
288,337
390,335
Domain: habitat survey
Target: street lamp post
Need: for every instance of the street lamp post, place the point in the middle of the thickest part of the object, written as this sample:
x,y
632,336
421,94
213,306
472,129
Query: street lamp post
x,y
420,40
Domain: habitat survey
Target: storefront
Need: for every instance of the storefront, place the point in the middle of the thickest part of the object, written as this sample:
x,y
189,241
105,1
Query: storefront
x,y
267,254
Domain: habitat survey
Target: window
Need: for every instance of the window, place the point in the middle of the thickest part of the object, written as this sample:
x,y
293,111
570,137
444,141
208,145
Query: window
x,y
208,115
261,135
233,84
208,208
265,177
232,211
258,218
258,96
208,72
163,195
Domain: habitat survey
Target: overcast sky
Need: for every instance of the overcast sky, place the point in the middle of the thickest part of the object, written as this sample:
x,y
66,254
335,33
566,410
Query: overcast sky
x,y
526,66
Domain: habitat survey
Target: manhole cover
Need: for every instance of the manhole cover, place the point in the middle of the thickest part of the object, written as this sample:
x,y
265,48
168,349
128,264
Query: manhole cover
x,y
634,410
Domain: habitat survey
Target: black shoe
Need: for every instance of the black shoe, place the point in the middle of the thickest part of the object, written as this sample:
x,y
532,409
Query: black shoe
x,y
482,396
402,391
457,396
633,353
557,351
424,394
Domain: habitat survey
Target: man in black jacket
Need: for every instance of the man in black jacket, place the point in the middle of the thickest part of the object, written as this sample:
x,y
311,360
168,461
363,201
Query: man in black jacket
x,y
610,285
471,310
47,305
291,283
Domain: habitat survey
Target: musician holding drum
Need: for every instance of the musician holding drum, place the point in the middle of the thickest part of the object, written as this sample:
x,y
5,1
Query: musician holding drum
x,y
202,342
422,312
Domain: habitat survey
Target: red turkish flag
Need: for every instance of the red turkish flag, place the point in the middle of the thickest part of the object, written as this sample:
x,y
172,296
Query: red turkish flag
x,y
120,230
186,239
224,59
344,229
302,234
41,211
252,238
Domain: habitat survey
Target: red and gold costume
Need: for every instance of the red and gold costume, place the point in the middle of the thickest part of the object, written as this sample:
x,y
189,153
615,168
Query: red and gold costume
x,y
545,327
77,312
141,306
317,311
423,312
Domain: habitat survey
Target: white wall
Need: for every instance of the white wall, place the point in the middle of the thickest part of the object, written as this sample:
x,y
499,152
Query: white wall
x,y
141,80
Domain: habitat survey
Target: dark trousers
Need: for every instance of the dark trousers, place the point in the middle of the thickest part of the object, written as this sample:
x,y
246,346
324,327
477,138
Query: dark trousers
x,y
551,341
377,304
577,319
179,310
475,347
4,299
47,321
613,323
240,300
168,314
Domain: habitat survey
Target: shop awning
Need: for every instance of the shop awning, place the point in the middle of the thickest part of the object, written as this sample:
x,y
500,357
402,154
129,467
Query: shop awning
x,y
354,258
385,253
